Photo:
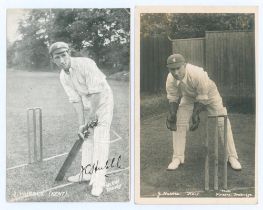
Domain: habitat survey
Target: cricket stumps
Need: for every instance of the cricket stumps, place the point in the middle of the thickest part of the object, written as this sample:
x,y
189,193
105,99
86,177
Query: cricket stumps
x,y
216,117
34,129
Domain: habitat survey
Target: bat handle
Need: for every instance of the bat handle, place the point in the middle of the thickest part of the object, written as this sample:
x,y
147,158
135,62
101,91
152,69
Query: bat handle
x,y
86,128
85,134
81,137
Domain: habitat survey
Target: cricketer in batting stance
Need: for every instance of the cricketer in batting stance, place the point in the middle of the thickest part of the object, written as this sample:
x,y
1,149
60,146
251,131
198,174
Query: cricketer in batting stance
x,y
190,91
91,96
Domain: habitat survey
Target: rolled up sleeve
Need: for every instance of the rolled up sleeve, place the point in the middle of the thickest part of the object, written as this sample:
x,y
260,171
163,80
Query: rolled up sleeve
x,y
172,91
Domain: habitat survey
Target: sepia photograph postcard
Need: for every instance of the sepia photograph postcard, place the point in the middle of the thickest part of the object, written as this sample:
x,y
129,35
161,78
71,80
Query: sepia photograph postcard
x,y
196,105
67,105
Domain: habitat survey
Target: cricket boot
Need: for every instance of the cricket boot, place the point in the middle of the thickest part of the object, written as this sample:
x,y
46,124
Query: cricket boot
x,y
174,164
97,189
234,163
98,182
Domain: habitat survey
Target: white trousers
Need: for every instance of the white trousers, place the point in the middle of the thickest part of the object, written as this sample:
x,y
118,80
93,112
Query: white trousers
x,y
184,114
95,149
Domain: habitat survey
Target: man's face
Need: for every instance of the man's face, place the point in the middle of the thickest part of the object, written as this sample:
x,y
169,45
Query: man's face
x,y
178,72
62,60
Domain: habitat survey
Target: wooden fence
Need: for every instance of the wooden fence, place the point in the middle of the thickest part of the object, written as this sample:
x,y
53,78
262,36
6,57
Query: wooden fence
x,y
153,55
230,62
192,49
228,57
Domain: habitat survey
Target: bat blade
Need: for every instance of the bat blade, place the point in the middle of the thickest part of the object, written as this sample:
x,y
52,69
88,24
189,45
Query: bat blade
x,y
70,158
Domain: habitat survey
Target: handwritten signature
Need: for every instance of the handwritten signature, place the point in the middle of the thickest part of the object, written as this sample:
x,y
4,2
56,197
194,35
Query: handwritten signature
x,y
93,168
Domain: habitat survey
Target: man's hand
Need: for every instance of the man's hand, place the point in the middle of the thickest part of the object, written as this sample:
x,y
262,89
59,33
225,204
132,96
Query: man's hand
x,y
83,132
198,107
87,129
195,122
171,119
171,122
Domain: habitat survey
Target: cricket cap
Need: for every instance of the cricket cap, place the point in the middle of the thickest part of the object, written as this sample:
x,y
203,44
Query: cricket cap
x,y
175,61
58,47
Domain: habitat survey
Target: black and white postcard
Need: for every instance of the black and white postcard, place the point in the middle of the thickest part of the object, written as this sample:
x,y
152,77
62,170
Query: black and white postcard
x,y
67,105
196,71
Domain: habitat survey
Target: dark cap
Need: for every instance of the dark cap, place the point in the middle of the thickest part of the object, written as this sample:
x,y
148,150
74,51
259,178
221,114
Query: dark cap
x,y
175,61
59,47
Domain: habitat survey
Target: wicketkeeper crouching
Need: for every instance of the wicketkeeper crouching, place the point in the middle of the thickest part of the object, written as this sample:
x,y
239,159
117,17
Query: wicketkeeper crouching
x,y
91,96
190,91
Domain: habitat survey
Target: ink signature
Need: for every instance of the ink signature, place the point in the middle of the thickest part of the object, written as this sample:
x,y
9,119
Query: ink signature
x,y
93,168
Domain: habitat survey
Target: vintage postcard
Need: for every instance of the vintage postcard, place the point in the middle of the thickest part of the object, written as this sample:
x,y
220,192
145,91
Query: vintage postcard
x,y
67,105
195,99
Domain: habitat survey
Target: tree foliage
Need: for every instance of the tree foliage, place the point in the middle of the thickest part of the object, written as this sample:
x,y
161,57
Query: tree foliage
x,y
193,25
98,33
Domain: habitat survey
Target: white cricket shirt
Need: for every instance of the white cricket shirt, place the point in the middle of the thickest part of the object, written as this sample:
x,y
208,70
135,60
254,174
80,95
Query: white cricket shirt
x,y
195,84
84,79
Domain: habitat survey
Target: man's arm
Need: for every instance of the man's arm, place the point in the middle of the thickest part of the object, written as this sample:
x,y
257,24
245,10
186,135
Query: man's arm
x,y
173,93
76,100
198,107
201,81
79,108
173,96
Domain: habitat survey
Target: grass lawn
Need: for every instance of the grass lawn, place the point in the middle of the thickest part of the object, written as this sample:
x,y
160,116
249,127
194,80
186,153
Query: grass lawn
x,y
188,179
43,89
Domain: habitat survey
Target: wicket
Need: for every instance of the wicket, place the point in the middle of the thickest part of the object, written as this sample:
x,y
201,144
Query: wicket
x,y
216,117
36,157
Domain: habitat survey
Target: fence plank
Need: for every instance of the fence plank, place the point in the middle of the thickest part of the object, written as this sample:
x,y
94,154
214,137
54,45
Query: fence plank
x,y
154,52
192,49
228,57
231,65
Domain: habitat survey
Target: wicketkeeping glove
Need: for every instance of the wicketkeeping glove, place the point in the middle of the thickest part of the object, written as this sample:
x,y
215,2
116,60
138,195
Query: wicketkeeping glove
x,y
198,107
195,122
171,119
171,122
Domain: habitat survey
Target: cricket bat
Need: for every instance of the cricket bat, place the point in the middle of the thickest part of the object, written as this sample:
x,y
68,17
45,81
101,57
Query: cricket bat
x,y
73,152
